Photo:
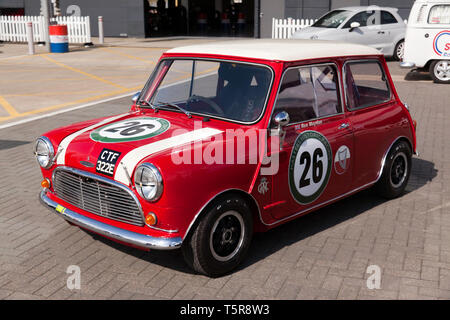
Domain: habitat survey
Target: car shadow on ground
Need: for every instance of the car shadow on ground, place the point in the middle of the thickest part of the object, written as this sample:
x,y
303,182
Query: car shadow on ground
x,y
268,243
416,75
9,144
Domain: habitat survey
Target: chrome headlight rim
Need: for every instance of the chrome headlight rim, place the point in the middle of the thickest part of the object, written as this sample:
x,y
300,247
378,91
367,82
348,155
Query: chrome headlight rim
x,y
51,151
158,181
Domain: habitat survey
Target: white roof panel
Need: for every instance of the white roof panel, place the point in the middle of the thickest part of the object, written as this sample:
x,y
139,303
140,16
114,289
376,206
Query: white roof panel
x,y
282,50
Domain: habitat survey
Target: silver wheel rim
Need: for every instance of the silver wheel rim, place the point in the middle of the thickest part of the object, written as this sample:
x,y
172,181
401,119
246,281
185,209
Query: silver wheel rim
x,y
223,235
399,170
400,50
442,70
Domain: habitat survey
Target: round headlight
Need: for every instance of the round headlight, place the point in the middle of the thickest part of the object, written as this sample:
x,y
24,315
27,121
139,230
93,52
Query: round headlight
x,y
148,182
44,152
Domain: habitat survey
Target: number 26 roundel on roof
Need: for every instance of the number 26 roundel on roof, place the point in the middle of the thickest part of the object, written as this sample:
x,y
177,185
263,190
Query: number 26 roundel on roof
x,y
131,130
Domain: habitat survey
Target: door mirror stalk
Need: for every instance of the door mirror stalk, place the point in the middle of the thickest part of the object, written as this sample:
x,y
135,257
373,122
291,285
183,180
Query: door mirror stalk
x,y
281,120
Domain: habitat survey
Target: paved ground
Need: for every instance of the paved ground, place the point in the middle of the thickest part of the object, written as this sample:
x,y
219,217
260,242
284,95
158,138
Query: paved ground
x,y
32,85
322,255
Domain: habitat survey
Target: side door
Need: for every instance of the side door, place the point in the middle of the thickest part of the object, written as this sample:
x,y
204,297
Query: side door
x,y
391,32
369,31
315,159
375,115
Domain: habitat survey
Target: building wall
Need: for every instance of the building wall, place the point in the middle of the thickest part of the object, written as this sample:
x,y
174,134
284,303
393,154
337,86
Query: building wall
x,y
270,9
120,18
306,8
11,3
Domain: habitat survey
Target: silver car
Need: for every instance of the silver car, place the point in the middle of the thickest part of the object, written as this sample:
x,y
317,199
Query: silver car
x,y
379,27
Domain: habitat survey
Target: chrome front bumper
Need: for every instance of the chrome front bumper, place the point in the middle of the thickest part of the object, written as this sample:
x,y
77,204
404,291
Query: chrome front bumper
x,y
407,65
140,240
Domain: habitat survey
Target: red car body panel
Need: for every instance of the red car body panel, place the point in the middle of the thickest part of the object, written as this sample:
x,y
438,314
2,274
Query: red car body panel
x,y
188,189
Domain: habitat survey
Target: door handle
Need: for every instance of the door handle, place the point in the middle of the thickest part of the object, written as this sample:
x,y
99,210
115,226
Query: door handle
x,y
344,126
380,32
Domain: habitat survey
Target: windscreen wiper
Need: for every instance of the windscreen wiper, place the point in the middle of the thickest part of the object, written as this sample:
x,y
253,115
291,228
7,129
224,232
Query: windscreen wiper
x,y
173,105
147,103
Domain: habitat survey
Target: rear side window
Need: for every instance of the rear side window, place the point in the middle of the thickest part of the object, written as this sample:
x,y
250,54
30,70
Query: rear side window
x,y
366,84
439,14
387,18
309,92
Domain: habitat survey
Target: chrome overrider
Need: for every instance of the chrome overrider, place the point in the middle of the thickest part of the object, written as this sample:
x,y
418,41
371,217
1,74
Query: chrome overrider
x,y
140,240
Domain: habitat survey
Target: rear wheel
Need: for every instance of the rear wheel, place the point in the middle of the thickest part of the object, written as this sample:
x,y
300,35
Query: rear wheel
x,y
399,50
221,239
396,171
440,71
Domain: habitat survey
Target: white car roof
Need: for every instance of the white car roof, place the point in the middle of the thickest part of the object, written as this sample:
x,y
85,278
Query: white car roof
x,y
283,50
364,8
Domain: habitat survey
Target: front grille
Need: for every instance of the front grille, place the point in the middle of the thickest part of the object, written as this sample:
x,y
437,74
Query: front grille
x,y
97,197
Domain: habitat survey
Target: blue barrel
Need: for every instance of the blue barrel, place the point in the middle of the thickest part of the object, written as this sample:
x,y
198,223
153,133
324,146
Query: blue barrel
x,y
59,40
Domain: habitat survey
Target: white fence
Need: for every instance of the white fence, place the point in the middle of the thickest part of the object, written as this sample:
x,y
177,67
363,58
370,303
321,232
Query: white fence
x,y
13,28
284,28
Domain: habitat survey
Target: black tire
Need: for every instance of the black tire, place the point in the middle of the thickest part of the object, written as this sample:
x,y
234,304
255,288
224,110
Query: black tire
x,y
396,171
436,74
399,50
224,220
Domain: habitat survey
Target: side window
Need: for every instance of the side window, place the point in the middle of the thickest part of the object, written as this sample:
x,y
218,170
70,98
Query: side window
x,y
387,18
366,84
363,18
308,93
439,14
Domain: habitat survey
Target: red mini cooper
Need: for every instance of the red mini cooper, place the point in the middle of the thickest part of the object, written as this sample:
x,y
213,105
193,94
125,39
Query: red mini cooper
x,y
227,139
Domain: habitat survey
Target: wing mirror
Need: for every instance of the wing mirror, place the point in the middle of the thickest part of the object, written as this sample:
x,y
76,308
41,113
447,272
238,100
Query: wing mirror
x,y
354,25
136,97
281,119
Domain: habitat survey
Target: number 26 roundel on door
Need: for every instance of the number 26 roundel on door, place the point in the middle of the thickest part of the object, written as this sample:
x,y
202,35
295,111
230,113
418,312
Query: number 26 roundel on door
x,y
309,166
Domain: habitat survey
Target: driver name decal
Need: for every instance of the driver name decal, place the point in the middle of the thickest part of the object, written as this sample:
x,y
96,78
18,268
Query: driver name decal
x,y
309,166
130,130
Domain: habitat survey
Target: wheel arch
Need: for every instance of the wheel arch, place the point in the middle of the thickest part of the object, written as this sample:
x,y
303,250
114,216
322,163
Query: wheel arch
x,y
249,199
394,47
383,161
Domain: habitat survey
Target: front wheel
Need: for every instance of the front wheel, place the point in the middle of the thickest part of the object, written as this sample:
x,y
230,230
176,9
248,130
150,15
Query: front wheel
x,y
221,239
440,71
396,171
399,50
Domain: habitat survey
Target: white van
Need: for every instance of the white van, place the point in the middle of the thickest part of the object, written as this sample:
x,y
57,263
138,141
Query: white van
x,y
427,42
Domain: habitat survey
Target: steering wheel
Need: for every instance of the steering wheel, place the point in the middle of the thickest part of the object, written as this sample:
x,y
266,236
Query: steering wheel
x,y
209,102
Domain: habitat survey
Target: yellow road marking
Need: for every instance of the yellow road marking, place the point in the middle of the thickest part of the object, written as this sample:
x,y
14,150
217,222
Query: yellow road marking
x,y
84,73
50,93
9,108
142,48
138,58
62,105
74,79
128,56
